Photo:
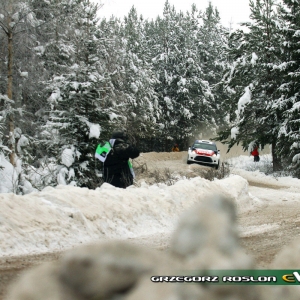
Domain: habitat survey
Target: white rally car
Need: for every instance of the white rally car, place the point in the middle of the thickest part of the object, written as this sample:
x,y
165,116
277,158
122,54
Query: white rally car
x,y
204,152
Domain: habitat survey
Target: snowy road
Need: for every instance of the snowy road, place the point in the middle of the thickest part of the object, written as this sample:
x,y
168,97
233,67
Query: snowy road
x,y
271,226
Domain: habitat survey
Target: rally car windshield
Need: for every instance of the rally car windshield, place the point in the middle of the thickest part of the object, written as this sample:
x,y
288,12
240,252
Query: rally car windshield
x,y
205,146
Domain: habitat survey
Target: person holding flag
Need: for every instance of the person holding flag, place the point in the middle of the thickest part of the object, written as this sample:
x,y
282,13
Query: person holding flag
x,y
115,156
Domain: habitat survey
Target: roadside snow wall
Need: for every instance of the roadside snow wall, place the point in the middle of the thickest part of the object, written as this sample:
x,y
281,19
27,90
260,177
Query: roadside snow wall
x,y
62,217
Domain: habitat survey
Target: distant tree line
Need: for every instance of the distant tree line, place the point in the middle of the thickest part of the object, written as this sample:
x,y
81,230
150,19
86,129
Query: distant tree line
x,y
68,78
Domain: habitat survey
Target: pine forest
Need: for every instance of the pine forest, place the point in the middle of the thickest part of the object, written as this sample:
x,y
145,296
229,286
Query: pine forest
x,y
68,78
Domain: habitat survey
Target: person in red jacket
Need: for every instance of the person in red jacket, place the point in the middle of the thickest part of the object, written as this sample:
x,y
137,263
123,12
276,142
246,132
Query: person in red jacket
x,y
255,153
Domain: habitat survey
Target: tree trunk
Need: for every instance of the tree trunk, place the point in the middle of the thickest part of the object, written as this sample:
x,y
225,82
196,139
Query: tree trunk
x,y
276,159
9,95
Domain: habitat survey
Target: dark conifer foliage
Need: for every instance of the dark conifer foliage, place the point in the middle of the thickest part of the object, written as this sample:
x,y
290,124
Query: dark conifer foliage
x,y
184,89
253,81
77,77
289,90
77,113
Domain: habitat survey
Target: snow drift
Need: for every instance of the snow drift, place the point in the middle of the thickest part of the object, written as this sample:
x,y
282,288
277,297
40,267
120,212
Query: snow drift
x,y
65,216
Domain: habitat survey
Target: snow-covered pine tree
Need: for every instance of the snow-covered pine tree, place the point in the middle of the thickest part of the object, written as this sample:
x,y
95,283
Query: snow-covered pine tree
x,y
55,49
212,37
17,21
5,110
78,114
184,94
56,46
137,80
289,71
253,81
111,53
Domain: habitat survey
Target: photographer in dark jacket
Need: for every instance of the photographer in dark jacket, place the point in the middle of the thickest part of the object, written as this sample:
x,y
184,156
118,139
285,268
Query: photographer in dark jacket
x,y
117,169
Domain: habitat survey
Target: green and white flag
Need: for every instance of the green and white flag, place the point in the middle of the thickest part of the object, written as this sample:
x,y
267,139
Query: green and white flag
x,y
103,151
131,168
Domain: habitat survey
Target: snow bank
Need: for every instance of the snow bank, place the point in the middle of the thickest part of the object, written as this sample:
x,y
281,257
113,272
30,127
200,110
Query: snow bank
x,y
284,182
245,167
62,217
8,175
247,163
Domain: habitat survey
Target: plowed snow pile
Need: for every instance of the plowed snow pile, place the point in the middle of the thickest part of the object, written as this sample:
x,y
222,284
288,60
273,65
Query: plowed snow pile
x,y
62,217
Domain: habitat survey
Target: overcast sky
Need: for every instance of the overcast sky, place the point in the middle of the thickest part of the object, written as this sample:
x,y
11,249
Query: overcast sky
x,y
230,10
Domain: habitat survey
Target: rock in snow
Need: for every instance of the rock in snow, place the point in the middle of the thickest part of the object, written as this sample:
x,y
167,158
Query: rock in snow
x,y
205,239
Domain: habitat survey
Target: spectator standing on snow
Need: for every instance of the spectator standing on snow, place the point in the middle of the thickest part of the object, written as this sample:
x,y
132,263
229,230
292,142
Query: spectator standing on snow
x,y
115,155
255,153
175,148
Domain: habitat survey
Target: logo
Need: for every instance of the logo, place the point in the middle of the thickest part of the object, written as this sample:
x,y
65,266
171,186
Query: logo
x,y
205,152
236,277
291,278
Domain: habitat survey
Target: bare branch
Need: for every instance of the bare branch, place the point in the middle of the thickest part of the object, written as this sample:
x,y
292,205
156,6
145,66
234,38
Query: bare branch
x,y
2,25
17,32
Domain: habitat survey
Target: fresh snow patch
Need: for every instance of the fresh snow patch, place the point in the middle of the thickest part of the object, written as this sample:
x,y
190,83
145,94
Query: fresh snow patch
x,y
95,130
75,85
22,142
24,74
68,156
134,87
181,82
113,116
40,49
296,158
254,58
234,132
246,98
54,97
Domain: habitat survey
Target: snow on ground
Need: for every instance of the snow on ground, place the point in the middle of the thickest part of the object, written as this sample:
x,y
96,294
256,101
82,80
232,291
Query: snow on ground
x,y
66,216
252,171
256,230
62,217
265,190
